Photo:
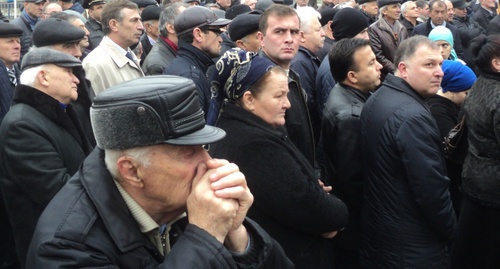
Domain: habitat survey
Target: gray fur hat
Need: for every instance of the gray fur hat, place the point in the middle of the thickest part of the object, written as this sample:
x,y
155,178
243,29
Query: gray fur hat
x,y
149,111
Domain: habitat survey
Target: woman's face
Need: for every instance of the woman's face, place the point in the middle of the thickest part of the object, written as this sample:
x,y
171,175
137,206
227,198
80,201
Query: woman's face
x,y
444,48
272,101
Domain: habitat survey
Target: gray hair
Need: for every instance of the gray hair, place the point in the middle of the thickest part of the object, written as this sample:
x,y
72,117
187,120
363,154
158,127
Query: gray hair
x,y
168,16
28,76
306,14
139,154
408,47
404,6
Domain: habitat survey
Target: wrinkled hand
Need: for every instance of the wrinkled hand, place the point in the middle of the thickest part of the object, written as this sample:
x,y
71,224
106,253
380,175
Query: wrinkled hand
x,y
327,189
207,211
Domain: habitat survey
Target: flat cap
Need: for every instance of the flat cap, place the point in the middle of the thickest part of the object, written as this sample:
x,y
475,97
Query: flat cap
x,y
243,25
236,10
382,3
88,3
56,31
151,13
145,3
40,56
10,30
459,4
197,16
360,2
327,15
150,111
35,1
190,1
263,5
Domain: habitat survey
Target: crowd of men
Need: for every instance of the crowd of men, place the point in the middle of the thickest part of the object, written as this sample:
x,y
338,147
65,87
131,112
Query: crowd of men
x,y
91,90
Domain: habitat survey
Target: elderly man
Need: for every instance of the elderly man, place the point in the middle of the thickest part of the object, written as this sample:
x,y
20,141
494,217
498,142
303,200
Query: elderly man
x,y
165,49
10,52
243,32
50,9
326,22
437,16
93,24
42,142
407,220
32,13
113,61
198,30
370,9
150,17
358,74
386,34
75,20
306,63
127,206
485,13
410,16
279,35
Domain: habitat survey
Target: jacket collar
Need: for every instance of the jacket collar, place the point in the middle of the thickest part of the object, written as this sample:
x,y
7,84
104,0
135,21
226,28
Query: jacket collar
x,y
110,205
187,50
118,58
361,95
398,84
309,55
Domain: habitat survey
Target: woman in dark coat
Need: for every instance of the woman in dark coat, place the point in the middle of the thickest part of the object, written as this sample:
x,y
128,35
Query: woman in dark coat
x,y
445,108
478,235
289,203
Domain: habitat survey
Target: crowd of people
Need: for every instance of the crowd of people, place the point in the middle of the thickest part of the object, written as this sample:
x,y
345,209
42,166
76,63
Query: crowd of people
x,y
249,134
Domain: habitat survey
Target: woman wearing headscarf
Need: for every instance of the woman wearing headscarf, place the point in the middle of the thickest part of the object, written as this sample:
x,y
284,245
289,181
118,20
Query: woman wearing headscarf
x,y
444,38
478,234
289,203
445,107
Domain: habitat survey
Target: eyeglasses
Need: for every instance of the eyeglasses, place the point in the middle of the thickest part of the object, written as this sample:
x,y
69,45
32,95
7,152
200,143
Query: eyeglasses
x,y
216,31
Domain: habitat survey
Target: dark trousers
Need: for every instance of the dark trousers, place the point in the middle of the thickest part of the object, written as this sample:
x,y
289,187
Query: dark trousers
x,y
477,243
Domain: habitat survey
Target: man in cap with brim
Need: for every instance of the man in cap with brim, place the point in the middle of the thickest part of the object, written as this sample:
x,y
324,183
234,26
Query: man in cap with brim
x,y
369,8
150,17
142,4
326,19
71,5
232,13
192,2
42,142
387,33
467,28
113,61
10,53
29,17
243,32
127,206
198,30
93,24
356,28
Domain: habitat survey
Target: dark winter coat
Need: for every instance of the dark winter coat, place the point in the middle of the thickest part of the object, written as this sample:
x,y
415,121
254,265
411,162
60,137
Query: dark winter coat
x,y
41,147
407,220
483,17
323,52
146,46
306,65
468,29
6,89
193,63
324,83
425,28
385,41
341,139
88,225
96,33
160,56
480,177
408,25
288,201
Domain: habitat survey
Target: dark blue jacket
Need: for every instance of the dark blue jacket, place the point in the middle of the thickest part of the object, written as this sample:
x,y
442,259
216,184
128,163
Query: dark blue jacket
x,y
6,89
407,220
324,83
88,225
193,63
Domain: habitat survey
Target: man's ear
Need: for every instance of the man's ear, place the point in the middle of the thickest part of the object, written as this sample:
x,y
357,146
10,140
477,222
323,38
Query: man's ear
x,y
198,35
260,36
129,172
113,25
403,70
302,37
170,28
352,77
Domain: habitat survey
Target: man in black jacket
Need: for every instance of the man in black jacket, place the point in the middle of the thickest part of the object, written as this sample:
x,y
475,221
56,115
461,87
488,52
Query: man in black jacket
x,y
126,207
42,141
467,28
358,73
93,23
407,219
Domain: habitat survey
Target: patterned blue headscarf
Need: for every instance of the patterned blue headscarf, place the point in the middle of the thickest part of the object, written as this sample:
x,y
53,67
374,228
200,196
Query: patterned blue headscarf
x,y
236,72
444,34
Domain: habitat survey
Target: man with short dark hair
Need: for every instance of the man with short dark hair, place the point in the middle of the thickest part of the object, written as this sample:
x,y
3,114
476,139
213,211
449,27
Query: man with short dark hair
x,y
198,30
437,16
127,206
358,74
113,61
31,14
279,35
42,142
165,49
93,24
407,220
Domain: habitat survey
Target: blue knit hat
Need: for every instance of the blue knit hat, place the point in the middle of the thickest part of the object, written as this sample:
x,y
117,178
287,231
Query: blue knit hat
x,y
444,34
457,77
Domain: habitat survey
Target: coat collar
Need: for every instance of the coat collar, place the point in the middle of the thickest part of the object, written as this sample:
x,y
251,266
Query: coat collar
x,y
110,205
400,85
187,50
118,58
